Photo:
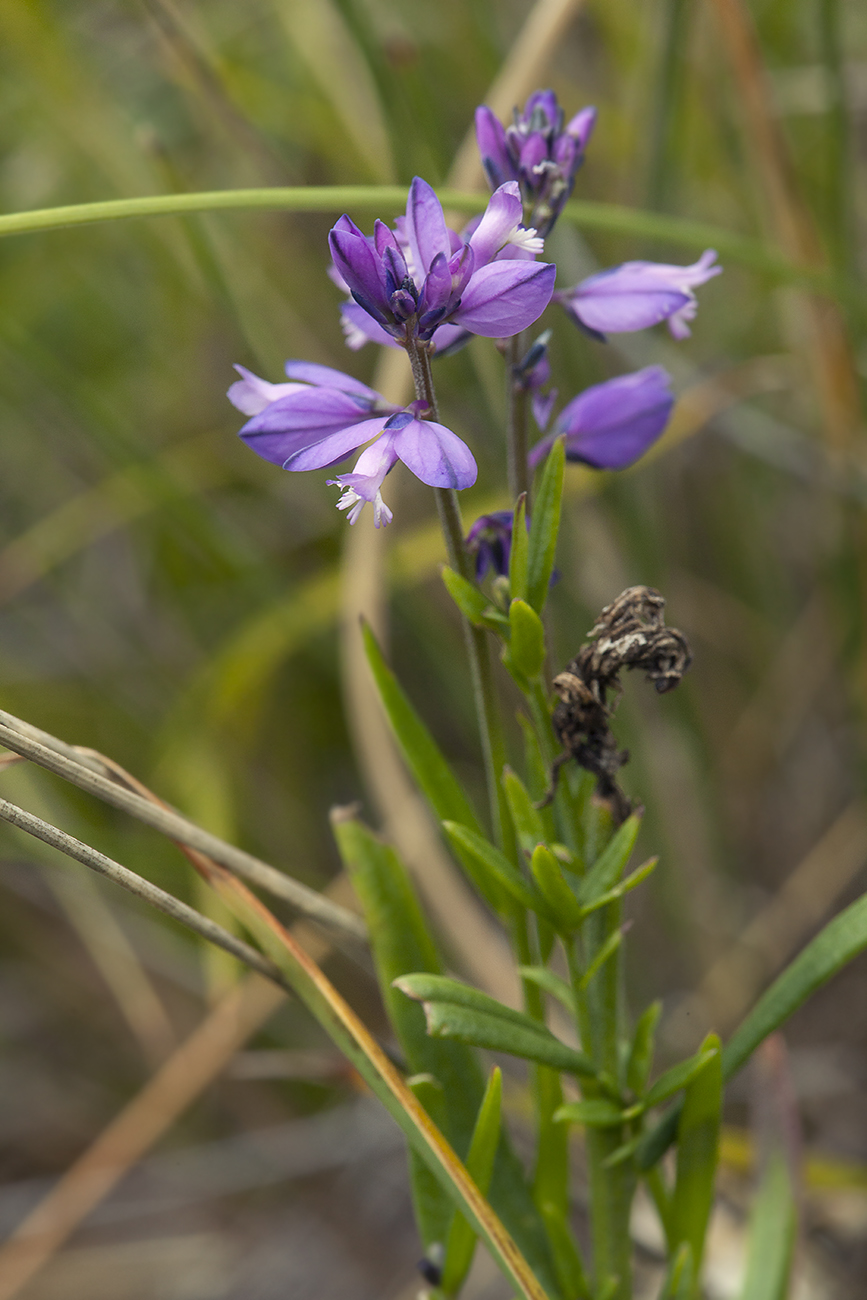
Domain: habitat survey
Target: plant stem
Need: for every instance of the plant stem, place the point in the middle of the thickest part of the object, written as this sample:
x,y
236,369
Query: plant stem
x,y
611,1187
484,691
516,425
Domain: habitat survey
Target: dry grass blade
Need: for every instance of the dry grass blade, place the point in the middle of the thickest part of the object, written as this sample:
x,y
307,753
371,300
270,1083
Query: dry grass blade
x,y
827,351
18,736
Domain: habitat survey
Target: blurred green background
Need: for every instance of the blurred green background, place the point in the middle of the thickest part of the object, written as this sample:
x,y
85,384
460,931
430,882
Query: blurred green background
x,y
173,601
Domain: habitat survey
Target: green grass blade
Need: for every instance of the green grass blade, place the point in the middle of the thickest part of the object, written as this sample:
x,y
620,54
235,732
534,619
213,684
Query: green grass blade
x,y
772,1235
518,553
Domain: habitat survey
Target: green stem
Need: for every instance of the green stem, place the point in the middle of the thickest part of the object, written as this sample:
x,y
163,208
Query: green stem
x,y
484,690
516,425
611,1188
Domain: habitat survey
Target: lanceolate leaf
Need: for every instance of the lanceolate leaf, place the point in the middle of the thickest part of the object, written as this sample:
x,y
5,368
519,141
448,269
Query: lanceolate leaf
x,y
551,983
678,1077
641,1054
626,886
832,949
548,875
493,871
449,1021
527,646
595,1113
356,1042
544,528
527,821
402,943
469,599
440,988
842,939
518,554
423,755
697,1154
609,866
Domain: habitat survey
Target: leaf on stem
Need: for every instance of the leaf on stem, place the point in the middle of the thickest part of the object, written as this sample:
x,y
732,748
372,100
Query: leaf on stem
x,y
544,528
473,603
518,554
594,1113
528,824
526,652
492,871
678,1077
625,887
551,983
606,951
678,1284
611,862
697,1153
641,1052
548,875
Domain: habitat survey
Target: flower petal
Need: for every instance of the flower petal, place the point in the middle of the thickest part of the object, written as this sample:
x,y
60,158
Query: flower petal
x,y
327,377
333,448
250,394
505,297
610,425
619,312
359,327
361,268
425,226
435,455
500,220
491,139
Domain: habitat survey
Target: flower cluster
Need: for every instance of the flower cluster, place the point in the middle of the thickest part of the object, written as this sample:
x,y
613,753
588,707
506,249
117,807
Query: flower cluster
x,y
426,288
537,151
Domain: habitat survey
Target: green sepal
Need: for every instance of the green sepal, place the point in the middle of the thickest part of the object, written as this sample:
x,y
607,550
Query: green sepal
x,y
528,824
595,1113
518,557
772,1235
493,872
609,865
473,603
525,656
641,1051
697,1153
551,983
548,875
461,1240
544,528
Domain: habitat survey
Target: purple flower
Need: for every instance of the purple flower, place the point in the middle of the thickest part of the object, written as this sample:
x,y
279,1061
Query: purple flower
x,y
425,277
610,425
636,295
537,152
490,541
319,418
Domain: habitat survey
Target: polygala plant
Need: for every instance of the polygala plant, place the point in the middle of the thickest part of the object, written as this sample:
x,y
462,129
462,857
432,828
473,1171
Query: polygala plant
x,y
551,856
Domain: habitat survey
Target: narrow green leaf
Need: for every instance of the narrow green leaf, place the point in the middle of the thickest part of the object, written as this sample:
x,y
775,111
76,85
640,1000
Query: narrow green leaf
x,y
352,1038
677,1077
679,1280
493,871
835,946
621,1153
527,821
518,555
567,1257
641,1052
469,599
609,865
446,1020
527,644
772,1235
609,1288
423,987
634,879
606,951
595,1113
551,983
548,875
461,1241
421,752
544,528
697,1153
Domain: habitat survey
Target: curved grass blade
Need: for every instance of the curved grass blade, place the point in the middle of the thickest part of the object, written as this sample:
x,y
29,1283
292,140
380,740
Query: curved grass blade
x,y
772,1235
461,1241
